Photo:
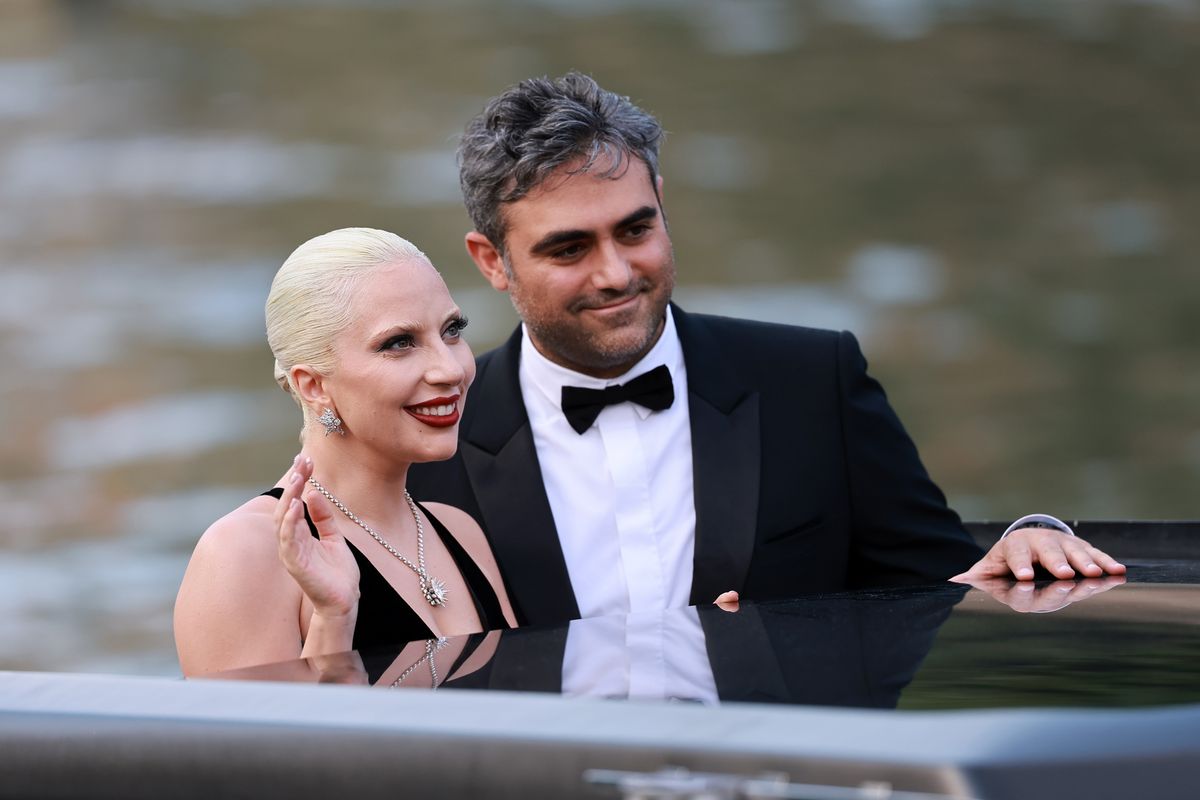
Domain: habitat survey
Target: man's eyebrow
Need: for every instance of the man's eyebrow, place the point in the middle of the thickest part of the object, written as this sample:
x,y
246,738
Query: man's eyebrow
x,y
552,240
559,238
641,215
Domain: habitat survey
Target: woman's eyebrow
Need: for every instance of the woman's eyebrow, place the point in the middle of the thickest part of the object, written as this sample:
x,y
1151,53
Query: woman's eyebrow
x,y
397,328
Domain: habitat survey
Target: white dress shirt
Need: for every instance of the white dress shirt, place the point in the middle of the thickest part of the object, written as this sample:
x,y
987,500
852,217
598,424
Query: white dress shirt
x,y
620,492
622,500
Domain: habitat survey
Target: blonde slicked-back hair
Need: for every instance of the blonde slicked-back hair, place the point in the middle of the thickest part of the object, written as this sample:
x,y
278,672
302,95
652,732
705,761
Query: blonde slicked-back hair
x,y
309,301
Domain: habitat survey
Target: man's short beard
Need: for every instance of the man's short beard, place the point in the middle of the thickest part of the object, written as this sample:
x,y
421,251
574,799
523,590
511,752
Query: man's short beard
x,y
585,353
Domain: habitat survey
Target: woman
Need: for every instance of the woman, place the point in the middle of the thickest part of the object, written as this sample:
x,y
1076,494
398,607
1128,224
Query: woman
x,y
369,343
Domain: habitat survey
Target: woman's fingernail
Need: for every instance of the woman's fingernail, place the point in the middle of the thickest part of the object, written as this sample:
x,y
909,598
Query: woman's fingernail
x,y
294,477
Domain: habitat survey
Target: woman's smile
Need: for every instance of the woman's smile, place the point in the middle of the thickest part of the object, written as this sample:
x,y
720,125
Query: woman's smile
x,y
440,412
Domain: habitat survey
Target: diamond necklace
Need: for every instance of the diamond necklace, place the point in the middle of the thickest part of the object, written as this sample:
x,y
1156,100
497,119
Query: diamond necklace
x,y
434,590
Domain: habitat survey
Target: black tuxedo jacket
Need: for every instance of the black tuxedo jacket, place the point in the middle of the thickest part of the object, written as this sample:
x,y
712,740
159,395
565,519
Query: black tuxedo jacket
x,y
805,480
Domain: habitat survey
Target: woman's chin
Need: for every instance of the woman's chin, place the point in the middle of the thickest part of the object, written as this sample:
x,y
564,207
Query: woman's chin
x,y
437,451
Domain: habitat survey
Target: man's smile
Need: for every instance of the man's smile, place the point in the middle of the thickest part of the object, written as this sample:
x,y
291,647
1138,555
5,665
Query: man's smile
x,y
618,304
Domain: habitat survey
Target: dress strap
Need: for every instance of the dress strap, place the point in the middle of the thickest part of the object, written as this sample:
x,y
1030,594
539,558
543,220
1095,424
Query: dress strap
x,y
277,493
487,604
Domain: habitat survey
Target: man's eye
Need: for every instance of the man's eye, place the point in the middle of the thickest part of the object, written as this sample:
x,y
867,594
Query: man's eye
x,y
637,231
569,252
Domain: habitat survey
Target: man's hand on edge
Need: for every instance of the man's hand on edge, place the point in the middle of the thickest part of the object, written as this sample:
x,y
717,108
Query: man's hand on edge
x,y
1061,554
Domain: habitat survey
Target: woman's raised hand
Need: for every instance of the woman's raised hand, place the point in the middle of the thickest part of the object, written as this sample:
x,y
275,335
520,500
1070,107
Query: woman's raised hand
x,y
324,568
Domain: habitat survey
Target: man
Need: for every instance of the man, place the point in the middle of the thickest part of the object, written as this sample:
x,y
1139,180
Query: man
x,y
624,455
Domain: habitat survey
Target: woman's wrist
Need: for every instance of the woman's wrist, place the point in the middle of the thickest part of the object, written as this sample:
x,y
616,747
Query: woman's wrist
x,y
338,614
330,632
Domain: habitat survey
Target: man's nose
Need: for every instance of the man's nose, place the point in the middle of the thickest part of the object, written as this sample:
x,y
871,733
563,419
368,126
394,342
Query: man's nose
x,y
613,269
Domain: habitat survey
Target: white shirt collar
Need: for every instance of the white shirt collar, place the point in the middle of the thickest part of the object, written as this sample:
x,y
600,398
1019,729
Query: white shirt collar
x,y
549,378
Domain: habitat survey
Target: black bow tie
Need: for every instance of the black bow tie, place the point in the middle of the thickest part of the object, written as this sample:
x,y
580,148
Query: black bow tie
x,y
652,390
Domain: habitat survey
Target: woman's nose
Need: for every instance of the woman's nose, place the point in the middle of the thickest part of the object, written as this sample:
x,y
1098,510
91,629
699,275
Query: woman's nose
x,y
444,368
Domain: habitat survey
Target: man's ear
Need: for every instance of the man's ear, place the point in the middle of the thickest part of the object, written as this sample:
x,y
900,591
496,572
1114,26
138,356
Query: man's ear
x,y
309,386
658,190
488,259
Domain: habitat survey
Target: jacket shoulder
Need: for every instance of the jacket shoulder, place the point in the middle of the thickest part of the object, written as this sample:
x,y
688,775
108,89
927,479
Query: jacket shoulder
x,y
757,330
753,347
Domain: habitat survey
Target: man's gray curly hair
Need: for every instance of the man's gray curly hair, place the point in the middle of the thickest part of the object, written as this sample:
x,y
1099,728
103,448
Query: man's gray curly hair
x,y
540,125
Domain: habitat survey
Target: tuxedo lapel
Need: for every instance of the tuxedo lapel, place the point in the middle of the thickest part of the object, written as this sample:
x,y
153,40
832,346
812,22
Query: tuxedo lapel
x,y
726,456
501,463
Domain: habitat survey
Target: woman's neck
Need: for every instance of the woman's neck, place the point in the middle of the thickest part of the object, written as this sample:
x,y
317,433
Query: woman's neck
x,y
368,485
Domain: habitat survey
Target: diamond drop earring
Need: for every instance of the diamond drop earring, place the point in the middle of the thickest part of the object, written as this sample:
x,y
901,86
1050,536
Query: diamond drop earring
x,y
331,421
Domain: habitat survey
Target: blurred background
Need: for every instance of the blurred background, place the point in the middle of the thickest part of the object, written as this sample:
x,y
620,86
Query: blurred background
x,y
1000,198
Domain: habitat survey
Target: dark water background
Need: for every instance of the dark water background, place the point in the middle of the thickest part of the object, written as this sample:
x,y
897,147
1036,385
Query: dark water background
x,y
1000,198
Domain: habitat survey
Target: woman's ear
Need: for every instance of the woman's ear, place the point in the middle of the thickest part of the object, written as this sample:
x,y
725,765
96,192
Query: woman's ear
x,y
309,386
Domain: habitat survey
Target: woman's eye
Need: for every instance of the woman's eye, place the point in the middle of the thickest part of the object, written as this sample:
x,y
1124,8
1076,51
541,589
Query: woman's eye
x,y
455,328
402,342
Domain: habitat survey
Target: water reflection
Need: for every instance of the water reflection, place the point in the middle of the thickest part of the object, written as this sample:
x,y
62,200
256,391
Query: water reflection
x,y
832,651
231,170
163,427
941,647
993,196
94,311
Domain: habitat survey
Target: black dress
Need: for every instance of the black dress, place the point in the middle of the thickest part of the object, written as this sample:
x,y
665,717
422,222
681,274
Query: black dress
x,y
384,618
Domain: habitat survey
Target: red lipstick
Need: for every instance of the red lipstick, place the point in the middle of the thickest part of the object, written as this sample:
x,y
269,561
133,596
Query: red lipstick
x,y
433,412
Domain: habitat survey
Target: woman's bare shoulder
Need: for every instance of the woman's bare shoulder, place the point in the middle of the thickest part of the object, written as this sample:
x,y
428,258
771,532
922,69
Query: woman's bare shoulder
x,y
237,604
246,532
464,527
